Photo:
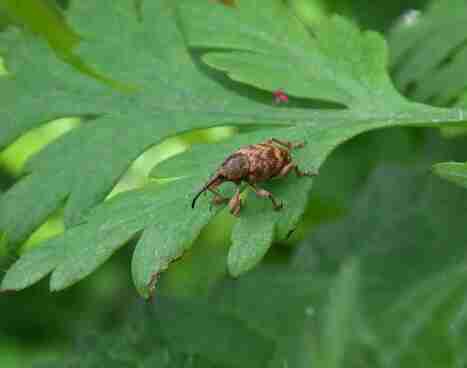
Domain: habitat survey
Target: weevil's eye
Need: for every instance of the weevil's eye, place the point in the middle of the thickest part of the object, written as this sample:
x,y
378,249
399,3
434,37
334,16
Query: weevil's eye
x,y
219,180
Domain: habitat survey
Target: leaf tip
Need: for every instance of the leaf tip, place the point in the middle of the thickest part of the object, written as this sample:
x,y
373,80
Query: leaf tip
x,y
237,266
234,270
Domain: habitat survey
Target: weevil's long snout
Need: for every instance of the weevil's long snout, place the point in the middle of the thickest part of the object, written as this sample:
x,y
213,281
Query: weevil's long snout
x,y
197,196
204,188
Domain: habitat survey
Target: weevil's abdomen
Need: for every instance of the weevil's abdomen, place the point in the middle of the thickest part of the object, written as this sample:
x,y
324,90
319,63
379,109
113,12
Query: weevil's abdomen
x,y
265,161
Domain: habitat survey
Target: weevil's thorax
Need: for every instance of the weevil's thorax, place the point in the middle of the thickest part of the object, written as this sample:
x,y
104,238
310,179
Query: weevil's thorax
x,y
236,167
265,161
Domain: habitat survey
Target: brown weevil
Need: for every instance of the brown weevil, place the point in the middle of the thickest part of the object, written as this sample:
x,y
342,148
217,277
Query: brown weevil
x,y
253,164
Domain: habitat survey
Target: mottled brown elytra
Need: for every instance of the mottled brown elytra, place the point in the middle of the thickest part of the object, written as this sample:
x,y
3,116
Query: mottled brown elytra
x,y
253,164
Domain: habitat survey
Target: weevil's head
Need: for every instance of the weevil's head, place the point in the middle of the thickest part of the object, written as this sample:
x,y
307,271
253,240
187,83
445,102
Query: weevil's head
x,y
216,180
235,167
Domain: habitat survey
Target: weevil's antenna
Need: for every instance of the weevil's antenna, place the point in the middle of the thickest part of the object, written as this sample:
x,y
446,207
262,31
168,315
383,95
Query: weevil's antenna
x,y
204,188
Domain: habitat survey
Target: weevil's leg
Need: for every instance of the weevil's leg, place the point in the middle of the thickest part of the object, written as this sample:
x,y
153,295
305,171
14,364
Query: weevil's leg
x,y
293,166
301,173
265,194
287,169
288,144
235,203
218,198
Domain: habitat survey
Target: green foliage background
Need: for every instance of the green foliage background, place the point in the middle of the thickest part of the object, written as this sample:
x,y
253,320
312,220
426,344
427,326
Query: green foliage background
x,y
374,273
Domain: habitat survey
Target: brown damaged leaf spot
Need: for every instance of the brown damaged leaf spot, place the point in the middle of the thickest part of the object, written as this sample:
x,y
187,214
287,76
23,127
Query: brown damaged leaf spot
x,y
152,284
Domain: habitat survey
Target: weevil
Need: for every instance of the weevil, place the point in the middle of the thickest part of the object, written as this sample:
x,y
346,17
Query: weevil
x,y
254,164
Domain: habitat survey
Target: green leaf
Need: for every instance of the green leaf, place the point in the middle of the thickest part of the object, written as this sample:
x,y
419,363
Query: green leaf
x,y
251,240
173,94
280,53
33,266
174,333
429,58
408,230
44,18
455,172
385,283
164,241
340,315
440,303
429,53
193,326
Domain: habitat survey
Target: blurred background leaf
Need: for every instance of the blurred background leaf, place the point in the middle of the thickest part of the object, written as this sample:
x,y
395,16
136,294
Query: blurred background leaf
x,y
429,53
378,15
429,64
44,18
